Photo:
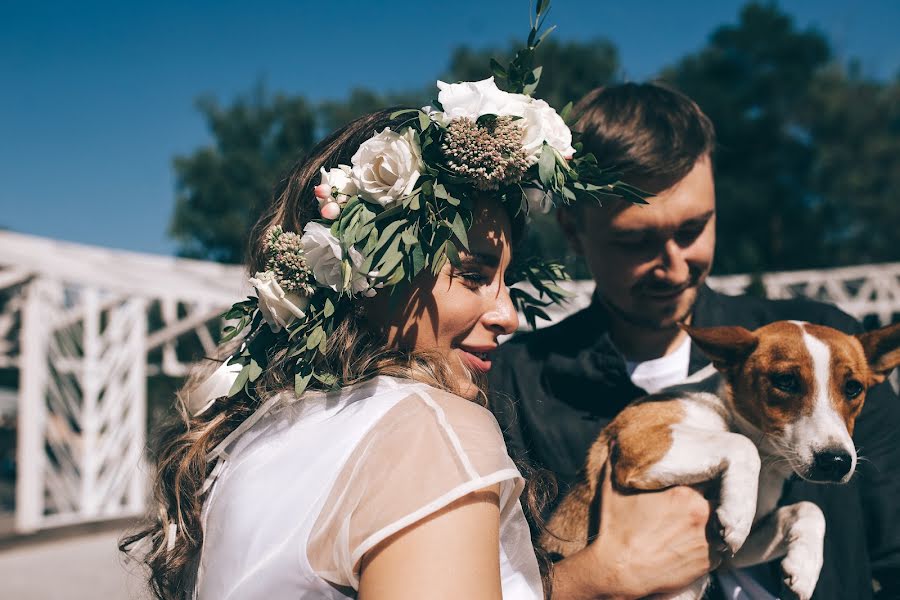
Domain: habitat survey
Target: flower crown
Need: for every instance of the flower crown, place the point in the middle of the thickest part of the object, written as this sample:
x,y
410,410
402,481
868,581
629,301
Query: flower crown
x,y
404,204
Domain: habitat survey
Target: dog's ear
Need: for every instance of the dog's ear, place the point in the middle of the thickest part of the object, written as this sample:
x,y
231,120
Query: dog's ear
x,y
882,348
725,346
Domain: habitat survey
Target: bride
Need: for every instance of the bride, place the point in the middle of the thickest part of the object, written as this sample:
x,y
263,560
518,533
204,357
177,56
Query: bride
x,y
348,453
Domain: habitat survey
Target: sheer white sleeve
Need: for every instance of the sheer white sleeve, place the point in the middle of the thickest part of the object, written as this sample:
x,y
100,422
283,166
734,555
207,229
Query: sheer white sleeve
x,y
428,450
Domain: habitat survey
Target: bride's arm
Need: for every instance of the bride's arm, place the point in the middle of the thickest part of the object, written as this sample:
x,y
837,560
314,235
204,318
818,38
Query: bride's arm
x,y
451,554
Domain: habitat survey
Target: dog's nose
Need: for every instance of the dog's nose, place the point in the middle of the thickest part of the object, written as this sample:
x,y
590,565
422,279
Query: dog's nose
x,y
830,465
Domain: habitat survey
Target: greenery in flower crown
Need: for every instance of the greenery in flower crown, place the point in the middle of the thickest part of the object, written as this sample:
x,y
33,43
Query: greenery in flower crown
x,y
374,234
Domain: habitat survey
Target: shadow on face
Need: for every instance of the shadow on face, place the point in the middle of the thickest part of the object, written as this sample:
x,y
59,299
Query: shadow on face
x,y
649,261
459,313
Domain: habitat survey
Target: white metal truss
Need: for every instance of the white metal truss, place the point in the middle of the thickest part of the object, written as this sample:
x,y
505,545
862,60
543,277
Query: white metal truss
x,y
82,409
85,326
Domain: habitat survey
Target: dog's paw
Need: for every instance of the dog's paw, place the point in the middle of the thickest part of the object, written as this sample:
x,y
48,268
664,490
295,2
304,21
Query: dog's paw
x,y
803,562
801,573
735,519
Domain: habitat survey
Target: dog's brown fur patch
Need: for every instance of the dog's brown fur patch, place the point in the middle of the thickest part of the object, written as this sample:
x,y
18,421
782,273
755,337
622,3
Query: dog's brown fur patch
x,y
641,435
848,362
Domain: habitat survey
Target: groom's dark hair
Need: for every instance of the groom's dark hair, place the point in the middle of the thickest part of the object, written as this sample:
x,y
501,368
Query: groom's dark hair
x,y
647,131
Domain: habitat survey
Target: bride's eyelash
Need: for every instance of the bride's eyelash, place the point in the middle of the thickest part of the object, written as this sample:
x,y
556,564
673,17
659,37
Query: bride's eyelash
x,y
471,276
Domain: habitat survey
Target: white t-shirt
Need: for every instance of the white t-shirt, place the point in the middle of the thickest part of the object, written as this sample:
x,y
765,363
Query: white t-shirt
x,y
316,483
659,373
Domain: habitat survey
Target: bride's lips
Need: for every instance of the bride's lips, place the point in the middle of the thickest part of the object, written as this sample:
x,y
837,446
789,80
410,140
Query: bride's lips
x,y
476,359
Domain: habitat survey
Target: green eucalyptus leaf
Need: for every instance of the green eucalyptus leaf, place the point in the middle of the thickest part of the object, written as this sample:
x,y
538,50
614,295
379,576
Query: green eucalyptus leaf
x,y
391,258
396,114
300,382
328,309
409,237
388,232
371,243
240,381
547,167
254,370
424,122
459,230
544,35
453,254
347,272
417,260
326,379
439,259
486,119
498,69
315,338
566,112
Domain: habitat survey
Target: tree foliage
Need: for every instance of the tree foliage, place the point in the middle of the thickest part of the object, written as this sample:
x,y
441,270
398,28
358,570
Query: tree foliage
x,y
222,188
804,161
807,168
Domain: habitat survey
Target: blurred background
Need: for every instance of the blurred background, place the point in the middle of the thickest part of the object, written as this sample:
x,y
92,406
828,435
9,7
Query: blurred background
x,y
139,141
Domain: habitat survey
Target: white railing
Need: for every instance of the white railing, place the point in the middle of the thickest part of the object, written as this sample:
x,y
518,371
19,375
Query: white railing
x,y
863,291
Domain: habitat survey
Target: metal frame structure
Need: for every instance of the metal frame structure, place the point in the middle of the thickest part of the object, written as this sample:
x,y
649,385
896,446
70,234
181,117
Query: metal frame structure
x,y
85,326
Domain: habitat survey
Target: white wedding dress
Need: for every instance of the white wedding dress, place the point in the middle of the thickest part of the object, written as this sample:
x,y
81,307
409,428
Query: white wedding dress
x,y
316,483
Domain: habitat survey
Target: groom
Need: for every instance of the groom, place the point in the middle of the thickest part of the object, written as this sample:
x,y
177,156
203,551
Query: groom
x,y
553,390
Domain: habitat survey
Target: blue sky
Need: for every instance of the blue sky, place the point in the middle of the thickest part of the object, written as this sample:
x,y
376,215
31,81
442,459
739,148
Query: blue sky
x,y
96,98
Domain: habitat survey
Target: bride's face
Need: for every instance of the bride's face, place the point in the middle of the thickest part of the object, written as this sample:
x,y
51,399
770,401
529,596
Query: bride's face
x,y
463,310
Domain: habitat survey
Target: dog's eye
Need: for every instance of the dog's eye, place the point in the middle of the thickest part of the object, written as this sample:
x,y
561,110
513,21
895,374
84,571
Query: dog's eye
x,y
786,382
853,388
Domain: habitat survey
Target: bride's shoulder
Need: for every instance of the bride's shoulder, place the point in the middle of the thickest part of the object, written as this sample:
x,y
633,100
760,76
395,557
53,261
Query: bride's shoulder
x,y
424,402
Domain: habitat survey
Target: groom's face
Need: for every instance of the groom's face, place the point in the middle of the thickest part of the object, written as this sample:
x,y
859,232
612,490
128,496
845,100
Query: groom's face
x,y
649,261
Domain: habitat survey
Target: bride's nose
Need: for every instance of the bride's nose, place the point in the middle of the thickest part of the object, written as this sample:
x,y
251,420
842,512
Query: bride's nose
x,y
501,315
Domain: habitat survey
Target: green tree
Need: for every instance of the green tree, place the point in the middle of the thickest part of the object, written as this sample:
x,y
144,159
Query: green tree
x,y
856,128
753,80
222,188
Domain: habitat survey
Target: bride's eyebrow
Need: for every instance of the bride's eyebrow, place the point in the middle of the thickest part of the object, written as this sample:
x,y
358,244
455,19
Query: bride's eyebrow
x,y
480,259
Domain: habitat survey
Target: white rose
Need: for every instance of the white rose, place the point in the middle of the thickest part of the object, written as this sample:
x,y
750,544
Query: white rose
x,y
278,308
543,124
324,254
340,178
387,166
475,98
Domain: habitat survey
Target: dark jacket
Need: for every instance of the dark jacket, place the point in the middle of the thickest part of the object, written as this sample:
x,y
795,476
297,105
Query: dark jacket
x,y
553,390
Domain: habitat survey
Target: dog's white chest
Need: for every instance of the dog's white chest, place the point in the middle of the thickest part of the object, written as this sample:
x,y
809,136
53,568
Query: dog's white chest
x,y
771,485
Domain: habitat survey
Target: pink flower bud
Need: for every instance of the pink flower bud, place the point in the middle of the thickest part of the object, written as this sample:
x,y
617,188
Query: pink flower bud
x,y
330,211
322,191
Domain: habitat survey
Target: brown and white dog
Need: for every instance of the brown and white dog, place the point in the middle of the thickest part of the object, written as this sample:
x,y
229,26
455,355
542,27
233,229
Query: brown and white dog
x,y
787,401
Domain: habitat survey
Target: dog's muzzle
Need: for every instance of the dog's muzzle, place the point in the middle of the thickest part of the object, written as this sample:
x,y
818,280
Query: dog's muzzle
x,y
830,465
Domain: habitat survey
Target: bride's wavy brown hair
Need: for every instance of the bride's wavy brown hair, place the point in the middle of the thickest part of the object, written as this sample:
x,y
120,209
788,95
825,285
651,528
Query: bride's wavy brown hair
x,y
354,352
